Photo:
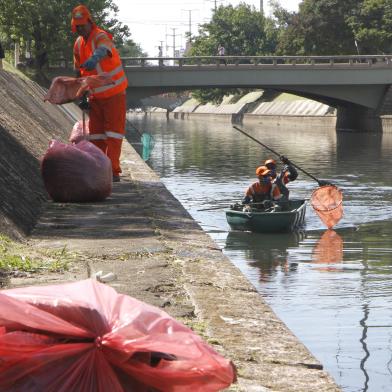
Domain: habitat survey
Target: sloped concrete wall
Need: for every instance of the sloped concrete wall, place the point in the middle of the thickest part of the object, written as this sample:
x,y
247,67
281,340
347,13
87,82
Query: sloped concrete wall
x,y
301,107
27,125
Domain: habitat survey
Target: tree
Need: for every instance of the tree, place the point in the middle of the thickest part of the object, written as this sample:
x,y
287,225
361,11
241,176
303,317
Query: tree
x,y
290,35
242,30
372,26
45,25
131,49
320,27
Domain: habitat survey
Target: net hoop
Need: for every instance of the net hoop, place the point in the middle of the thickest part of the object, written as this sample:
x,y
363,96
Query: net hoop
x,y
338,198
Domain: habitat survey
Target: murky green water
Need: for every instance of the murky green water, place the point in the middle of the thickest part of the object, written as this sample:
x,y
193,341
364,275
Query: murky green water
x,y
332,289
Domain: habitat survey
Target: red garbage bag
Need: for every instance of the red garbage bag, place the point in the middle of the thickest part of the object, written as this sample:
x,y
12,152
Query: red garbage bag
x,y
84,336
77,133
64,89
76,173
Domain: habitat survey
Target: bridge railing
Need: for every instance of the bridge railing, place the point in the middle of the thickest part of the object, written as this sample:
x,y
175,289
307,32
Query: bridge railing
x,y
266,61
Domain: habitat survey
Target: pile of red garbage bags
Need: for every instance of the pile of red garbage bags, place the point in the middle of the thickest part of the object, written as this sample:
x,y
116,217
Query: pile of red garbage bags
x,y
84,336
76,172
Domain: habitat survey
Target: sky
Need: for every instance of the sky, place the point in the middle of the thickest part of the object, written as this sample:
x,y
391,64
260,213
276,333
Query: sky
x,y
164,22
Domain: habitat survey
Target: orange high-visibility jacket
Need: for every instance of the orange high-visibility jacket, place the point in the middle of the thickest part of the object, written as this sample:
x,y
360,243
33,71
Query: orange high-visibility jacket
x,y
263,191
110,64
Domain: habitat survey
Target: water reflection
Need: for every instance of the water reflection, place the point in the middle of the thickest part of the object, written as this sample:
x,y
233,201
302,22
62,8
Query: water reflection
x,y
329,249
267,252
364,345
333,289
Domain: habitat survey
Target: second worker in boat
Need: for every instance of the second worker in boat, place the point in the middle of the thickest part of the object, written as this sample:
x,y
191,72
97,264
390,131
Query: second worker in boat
x,y
263,191
286,175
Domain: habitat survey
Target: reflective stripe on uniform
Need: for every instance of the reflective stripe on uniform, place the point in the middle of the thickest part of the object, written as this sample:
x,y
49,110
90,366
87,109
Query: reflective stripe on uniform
x,y
116,70
111,73
79,42
109,86
97,136
114,135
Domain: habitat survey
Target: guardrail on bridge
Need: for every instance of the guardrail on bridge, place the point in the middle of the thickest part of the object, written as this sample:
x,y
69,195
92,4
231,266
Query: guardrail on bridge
x,y
274,61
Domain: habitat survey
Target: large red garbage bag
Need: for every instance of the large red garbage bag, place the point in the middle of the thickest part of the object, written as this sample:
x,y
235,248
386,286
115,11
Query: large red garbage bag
x,y
76,173
66,88
84,336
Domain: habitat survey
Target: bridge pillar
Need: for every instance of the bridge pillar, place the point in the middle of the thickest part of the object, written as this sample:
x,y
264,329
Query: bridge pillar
x,y
357,118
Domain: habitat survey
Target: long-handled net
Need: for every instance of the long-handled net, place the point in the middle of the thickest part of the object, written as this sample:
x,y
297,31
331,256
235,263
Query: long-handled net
x,y
327,202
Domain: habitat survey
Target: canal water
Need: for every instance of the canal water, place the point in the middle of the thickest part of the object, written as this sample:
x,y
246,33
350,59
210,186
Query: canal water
x,y
333,289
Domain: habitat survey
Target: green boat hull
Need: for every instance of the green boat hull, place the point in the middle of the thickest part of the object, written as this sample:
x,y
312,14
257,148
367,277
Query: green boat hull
x,y
292,218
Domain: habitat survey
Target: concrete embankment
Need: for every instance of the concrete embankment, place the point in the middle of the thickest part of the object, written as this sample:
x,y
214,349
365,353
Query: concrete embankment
x,y
284,110
158,252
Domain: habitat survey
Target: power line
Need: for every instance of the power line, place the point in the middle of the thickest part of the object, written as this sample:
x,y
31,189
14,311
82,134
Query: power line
x,y
174,35
190,23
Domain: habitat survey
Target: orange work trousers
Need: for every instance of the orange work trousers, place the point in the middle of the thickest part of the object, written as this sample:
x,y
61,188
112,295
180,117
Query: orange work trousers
x,y
107,126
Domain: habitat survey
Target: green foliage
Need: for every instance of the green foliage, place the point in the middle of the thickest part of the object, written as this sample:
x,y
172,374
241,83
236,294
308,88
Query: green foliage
x,y
131,49
243,31
44,26
15,257
290,35
372,26
319,28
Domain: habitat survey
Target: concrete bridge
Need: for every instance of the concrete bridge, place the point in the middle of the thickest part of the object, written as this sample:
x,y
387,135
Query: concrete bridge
x,y
358,86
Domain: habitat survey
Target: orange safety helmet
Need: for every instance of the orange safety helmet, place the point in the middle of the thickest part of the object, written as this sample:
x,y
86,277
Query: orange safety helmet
x,y
270,162
80,16
262,171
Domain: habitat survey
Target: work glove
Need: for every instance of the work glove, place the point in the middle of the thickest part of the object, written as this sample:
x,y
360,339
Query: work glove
x,y
284,160
83,104
246,200
92,61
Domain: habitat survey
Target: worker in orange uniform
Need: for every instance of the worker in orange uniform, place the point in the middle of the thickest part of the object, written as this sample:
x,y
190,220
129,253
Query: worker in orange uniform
x,y
94,54
263,189
286,175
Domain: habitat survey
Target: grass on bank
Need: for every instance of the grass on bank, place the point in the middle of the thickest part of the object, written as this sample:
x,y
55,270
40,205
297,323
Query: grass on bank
x,y
16,257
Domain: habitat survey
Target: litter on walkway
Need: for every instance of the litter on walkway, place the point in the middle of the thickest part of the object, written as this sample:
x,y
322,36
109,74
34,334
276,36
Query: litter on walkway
x,y
84,336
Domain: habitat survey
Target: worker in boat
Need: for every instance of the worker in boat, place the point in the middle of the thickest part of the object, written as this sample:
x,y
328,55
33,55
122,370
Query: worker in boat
x,y
286,175
94,54
263,189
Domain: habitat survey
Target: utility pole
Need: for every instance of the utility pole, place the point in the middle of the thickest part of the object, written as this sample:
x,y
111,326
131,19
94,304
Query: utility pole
x,y
215,4
190,23
174,39
261,7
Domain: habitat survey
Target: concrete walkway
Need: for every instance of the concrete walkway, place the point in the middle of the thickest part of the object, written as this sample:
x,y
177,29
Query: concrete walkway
x,y
161,256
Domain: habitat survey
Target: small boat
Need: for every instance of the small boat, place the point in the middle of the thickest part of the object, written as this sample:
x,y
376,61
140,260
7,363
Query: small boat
x,y
281,217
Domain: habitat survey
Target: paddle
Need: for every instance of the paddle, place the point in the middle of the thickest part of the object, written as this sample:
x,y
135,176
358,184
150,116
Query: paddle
x,y
212,208
220,207
320,182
